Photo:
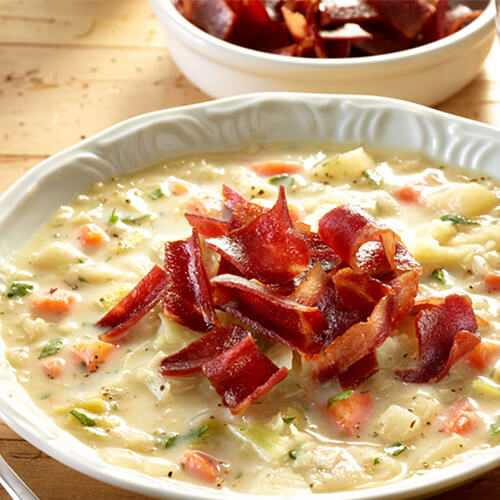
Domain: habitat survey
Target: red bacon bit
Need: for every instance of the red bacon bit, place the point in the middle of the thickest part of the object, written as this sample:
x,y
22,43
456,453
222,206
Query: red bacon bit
x,y
273,315
334,12
458,17
445,333
407,16
242,374
232,197
405,287
363,242
191,358
213,16
360,371
145,295
187,297
269,248
356,343
207,226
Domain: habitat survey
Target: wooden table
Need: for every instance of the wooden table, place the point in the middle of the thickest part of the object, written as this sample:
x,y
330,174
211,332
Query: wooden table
x,y
70,68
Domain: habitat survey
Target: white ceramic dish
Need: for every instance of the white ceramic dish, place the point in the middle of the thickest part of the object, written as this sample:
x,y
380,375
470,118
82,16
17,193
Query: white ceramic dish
x,y
227,125
426,75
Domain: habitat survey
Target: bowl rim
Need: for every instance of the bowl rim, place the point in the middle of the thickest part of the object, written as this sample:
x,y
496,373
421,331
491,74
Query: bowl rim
x,y
226,51
439,479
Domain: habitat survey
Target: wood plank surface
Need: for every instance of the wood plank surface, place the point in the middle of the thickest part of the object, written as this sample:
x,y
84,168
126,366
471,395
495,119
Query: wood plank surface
x,y
70,68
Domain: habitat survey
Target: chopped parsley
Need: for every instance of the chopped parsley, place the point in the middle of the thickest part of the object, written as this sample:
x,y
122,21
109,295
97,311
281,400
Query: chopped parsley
x,y
239,475
81,279
495,428
288,420
168,440
376,461
156,194
292,454
441,275
135,218
286,181
51,347
197,432
395,449
45,396
113,217
341,396
373,177
83,419
458,219
19,289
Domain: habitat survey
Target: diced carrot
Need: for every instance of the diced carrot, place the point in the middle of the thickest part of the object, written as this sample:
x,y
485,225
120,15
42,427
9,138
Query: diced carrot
x,y
483,355
492,281
351,413
92,353
91,235
411,193
53,367
461,418
208,206
202,466
54,301
276,167
178,187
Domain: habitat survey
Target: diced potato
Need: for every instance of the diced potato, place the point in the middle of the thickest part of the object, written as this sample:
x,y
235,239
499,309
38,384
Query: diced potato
x,y
444,449
281,355
17,356
128,243
281,481
425,406
348,165
56,255
398,424
486,236
469,200
94,405
112,297
429,251
441,231
34,328
62,215
96,273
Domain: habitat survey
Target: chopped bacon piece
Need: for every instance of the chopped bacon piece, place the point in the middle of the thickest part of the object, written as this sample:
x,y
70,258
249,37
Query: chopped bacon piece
x,y
407,16
269,248
380,43
364,242
232,197
434,28
243,213
360,371
213,16
242,374
207,226
191,358
187,297
351,413
405,287
321,252
348,31
357,342
144,296
333,12
287,321
445,333
458,17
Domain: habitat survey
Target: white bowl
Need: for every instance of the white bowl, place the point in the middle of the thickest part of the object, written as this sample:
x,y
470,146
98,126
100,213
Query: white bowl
x,y
228,125
426,75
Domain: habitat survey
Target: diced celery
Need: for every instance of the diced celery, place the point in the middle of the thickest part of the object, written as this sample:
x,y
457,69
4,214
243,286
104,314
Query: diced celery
x,y
265,441
486,387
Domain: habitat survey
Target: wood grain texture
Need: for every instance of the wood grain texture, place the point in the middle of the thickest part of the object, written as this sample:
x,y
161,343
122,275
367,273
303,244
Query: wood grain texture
x,y
70,68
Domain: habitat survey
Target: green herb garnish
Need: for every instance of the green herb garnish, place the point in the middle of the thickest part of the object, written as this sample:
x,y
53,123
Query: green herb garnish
x,y
495,428
441,275
373,177
341,396
458,219
135,218
286,181
19,289
288,420
83,419
395,449
81,279
156,194
197,432
240,474
292,454
376,461
113,217
45,396
51,347
168,440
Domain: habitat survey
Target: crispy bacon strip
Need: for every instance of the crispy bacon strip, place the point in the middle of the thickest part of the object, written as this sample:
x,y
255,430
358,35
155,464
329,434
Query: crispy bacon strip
x,y
458,17
191,358
271,314
445,333
213,16
360,371
242,374
363,242
334,12
145,295
207,226
187,297
269,248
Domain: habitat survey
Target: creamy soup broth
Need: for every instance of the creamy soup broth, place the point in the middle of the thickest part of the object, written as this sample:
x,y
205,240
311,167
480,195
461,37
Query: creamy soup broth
x,y
284,441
